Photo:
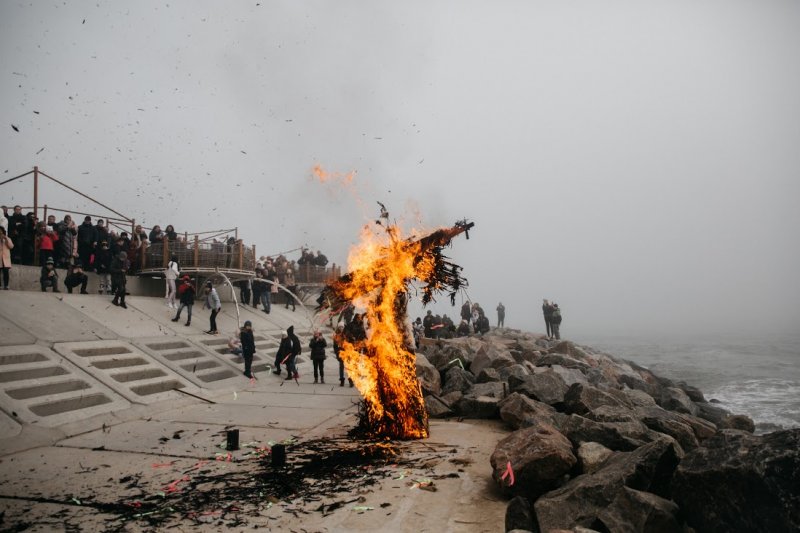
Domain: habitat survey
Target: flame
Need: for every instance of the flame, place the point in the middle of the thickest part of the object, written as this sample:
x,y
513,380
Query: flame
x,y
383,365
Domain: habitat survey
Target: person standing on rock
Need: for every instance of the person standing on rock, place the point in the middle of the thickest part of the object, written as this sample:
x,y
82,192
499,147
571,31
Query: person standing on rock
x,y
248,347
466,312
118,269
547,310
317,346
213,303
501,315
555,321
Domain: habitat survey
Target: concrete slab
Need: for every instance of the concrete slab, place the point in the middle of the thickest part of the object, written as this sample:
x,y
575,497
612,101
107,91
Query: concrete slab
x,y
240,415
11,334
188,439
127,370
128,323
48,318
52,517
8,426
42,387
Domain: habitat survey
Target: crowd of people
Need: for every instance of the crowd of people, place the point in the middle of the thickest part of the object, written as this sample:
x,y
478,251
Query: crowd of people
x,y
76,248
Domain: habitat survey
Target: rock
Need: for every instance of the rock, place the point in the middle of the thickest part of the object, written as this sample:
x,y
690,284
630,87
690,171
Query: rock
x,y
633,510
571,349
639,398
670,424
591,456
703,429
540,457
741,422
741,482
570,375
562,360
482,401
674,399
457,379
519,514
623,436
581,399
520,411
490,356
488,375
713,413
452,398
429,378
694,394
547,387
515,370
436,407
581,501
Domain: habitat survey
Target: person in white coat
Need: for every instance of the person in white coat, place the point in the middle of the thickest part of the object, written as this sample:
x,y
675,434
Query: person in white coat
x,y
171,274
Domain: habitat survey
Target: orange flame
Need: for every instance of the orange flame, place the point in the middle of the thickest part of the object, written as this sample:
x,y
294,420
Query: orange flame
x,y
382,366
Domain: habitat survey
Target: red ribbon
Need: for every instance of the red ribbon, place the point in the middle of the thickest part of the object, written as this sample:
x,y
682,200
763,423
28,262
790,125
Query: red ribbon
x,y
509,473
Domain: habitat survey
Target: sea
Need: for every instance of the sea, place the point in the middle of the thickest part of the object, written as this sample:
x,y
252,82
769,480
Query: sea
x,y
755,376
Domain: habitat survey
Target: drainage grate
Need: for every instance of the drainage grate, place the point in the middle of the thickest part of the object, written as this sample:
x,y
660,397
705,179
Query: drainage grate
x,y
37,384
123,367
197,364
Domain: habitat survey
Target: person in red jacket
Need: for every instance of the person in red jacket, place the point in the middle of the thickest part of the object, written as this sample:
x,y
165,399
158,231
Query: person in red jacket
x,y
47,242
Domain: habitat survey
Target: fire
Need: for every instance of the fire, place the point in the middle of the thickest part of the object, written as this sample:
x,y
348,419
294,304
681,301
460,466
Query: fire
x,y
383,364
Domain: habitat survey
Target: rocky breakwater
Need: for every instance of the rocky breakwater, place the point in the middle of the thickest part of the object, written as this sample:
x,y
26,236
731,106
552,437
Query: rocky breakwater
x,y
601,444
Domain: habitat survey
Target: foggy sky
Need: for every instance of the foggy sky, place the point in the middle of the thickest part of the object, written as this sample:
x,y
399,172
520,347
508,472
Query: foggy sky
x,y
635,162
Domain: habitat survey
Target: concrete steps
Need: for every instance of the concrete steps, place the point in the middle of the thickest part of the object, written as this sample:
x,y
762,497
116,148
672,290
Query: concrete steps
x,y
195,363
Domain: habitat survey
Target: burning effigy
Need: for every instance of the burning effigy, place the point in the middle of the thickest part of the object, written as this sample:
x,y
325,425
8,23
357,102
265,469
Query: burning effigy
x,y
380,358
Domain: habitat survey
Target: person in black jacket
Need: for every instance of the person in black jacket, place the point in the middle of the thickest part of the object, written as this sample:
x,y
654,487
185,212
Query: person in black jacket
x,y
87,240
291,367
284,351
248,347
317,346
119,267
49,276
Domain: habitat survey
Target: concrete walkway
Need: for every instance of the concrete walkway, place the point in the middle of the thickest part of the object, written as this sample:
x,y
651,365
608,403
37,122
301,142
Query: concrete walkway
x,y
104,409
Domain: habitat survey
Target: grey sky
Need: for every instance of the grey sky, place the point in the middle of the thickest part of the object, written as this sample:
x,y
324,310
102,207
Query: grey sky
x,y
636,162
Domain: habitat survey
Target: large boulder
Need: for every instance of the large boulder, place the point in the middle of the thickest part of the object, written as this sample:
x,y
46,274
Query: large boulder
x,y
670,424
519,514
591,456
457,379
570,375
582,500
633,510
487,375
429,378
562,360
540,458
622,436
482,401
436,407
520,411
722,418
517,370
582,399
674,399
490,356
547,387
740,482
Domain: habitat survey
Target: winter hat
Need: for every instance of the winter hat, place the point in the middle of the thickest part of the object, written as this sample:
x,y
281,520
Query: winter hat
x,y
248,323
209,284
50,261
186,277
